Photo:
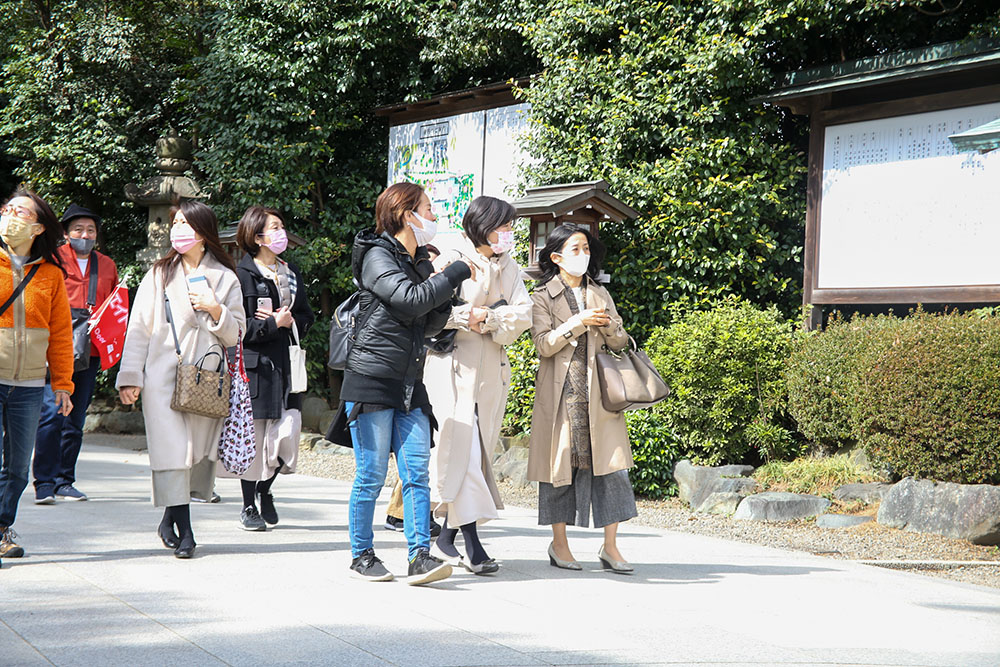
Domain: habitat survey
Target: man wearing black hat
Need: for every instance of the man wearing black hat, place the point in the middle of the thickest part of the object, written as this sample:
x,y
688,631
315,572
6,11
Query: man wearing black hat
x,y
59,438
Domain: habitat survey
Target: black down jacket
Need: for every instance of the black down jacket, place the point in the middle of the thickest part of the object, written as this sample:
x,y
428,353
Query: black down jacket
x,y
401,304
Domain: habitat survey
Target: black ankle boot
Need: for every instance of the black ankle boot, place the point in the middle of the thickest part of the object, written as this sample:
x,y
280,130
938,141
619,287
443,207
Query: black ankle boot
x,y
186,548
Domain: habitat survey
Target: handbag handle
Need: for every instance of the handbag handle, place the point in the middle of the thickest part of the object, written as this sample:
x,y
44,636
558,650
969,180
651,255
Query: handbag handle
x,y
632,346
201,364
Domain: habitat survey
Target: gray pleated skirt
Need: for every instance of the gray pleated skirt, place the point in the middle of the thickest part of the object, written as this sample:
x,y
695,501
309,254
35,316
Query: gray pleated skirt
x,y
609,496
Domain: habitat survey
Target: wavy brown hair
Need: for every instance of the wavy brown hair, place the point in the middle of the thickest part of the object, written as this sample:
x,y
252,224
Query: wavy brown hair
x,y
203,221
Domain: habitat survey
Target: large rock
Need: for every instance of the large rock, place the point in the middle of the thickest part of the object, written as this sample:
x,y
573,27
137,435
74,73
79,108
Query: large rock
x,y
116,422
841,520
696,483
325,419
961,511
512,466
780,506
721,503
867,493
725,486
312,408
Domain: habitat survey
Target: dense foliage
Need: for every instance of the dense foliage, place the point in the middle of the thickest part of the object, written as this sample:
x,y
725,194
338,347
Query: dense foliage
x,y
920,393
725,369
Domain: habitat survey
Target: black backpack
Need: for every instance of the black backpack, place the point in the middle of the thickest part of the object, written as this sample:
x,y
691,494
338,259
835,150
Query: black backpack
x,y
345,324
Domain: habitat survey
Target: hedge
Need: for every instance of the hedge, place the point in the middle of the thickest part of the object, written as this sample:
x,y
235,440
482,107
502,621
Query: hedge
x,y
921,394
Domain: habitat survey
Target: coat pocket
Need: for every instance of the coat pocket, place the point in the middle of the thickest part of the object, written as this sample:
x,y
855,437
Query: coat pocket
x,y
251,361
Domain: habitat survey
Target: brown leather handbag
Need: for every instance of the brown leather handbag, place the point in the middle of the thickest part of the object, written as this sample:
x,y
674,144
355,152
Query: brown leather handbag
x,y
628,379
199,390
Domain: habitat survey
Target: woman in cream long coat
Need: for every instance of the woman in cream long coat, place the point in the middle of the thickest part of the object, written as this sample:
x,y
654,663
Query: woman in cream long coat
x,y
183,447
579,452
468,385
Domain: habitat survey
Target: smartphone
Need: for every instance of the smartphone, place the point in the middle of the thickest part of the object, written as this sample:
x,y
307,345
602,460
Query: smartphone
x,y
198,285
264,303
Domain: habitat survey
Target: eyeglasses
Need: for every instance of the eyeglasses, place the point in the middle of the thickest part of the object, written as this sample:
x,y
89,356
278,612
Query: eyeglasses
x,y
22,212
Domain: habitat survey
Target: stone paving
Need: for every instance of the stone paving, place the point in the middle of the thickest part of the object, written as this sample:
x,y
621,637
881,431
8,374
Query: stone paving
x,y
97,588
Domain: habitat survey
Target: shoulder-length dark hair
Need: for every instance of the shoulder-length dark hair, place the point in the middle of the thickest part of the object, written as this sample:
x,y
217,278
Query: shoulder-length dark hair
x,y
555,241
484,215
203,221
393,204
252,225
45,244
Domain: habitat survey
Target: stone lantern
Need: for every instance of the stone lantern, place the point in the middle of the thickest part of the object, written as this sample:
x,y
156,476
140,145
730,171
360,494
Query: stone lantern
x,y
158,194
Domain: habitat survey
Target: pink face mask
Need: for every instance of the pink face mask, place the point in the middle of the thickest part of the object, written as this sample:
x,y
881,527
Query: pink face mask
x,y
182,239
279,241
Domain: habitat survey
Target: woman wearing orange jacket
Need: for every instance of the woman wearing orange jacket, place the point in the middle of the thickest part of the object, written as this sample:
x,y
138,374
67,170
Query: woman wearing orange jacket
x,y
35,331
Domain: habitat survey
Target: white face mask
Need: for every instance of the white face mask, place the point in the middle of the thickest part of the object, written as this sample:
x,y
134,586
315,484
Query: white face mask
x,y
505,243
574,265
424,235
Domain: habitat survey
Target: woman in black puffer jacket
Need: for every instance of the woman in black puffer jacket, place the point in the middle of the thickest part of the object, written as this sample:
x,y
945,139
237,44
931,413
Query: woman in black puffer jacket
x,y
383,399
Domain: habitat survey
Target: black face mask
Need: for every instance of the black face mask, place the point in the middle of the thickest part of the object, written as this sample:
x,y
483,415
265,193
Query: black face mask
x,y
82,246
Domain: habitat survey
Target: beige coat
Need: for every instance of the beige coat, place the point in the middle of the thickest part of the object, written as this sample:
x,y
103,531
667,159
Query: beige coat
x,y
176,440
476,373
552,320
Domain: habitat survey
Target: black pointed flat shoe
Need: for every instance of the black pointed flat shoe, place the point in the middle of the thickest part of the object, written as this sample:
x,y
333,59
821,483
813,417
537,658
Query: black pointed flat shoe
x,y
185,549
168,537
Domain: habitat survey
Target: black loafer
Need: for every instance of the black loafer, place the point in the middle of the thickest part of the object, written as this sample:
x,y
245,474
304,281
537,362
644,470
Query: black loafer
x,y
168,537
185,549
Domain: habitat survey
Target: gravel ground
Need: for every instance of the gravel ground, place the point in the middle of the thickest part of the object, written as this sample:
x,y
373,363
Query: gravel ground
x,y
936,556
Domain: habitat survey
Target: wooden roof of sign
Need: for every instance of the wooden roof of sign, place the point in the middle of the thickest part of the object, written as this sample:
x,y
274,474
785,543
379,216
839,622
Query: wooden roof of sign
x,y
952,65
490,96
561,199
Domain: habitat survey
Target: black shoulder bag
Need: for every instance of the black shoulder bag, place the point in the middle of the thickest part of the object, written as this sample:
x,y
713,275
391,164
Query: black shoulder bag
x,y
81,317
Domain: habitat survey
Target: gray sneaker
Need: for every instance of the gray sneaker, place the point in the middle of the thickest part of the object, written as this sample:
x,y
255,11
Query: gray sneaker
x,y
369,566
426,569
69,492
250,519
8,547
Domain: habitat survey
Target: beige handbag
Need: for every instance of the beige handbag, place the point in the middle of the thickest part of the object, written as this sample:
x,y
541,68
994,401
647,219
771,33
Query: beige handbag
x,y
628,379
199,390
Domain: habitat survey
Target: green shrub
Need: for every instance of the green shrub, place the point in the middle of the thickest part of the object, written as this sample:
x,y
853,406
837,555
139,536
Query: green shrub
x,y
928,399
655,451
822,378
521,399
725,370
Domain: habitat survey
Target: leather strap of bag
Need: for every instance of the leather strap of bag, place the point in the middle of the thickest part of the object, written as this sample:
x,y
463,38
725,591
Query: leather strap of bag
x,y
20,288
170,318
92,288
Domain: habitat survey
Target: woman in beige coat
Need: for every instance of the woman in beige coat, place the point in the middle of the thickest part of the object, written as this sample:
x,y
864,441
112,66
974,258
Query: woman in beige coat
x,y
206,306
468,384
579,452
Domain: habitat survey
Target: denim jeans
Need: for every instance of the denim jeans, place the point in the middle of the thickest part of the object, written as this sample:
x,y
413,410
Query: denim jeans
x,y
21,407
408,436
57,445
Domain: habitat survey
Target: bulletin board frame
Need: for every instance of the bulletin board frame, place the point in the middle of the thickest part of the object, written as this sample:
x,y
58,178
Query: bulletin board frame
x,y
821,118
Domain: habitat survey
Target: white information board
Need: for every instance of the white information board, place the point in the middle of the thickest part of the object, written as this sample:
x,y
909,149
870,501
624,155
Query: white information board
x,y
901,208
457,158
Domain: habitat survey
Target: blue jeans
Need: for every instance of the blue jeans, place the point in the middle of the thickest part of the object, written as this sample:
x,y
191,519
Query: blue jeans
x,y
57,445
21,407
408,436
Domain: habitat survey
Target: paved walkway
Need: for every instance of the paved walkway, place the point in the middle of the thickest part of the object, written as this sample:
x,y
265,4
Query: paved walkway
x,y
97,588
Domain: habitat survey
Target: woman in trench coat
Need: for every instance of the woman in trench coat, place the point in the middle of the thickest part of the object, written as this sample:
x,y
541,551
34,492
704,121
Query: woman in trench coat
x,y
183,447
579,452
468,385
